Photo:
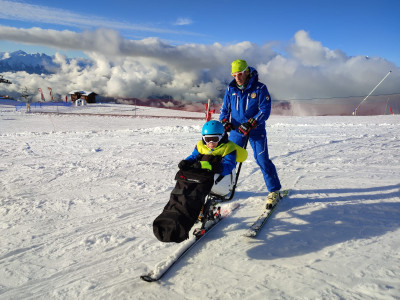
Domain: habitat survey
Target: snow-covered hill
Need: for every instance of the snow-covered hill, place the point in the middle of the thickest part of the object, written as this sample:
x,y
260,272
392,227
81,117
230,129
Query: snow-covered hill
x,y
79,193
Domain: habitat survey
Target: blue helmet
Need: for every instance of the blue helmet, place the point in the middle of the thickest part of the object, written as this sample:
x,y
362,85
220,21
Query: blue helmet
x,y
213,128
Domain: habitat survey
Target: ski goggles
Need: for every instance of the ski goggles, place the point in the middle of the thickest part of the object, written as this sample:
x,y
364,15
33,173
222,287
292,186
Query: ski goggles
x,y
212,138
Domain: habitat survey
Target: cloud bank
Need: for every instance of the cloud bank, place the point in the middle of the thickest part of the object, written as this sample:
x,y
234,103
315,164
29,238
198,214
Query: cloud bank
x,y
302,69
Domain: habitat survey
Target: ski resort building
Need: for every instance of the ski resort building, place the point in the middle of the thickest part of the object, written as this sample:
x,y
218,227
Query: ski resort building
x,y
90,97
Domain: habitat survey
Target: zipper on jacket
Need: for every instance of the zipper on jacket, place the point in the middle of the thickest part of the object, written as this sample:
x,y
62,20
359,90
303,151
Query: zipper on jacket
x,y
237,101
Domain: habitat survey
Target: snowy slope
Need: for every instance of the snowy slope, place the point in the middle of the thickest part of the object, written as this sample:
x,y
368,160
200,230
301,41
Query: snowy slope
x,y
79,193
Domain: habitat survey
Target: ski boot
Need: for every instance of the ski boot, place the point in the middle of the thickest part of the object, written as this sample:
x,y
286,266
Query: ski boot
x,y
273,199
209,213
201,215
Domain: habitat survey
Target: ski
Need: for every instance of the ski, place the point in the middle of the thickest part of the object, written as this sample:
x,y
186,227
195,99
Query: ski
x,y
262,219
198,234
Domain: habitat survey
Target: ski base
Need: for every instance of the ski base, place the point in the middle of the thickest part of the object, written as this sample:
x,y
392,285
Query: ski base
x,y
262,219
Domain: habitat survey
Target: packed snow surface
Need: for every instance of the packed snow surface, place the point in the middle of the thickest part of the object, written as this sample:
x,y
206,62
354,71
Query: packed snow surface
x,y
79,193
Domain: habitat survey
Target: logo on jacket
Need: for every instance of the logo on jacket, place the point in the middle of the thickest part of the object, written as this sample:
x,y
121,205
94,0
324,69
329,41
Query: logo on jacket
x,y
267,98
253,95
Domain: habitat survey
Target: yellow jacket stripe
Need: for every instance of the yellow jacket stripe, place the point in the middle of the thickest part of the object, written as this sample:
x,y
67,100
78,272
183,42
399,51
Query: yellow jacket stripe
x,y
222,150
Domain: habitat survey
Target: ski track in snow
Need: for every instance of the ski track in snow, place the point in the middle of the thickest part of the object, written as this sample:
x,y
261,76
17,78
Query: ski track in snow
x,y
79,194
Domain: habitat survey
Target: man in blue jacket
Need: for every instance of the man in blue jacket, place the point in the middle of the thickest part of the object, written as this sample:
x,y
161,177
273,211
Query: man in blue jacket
x,y
246,107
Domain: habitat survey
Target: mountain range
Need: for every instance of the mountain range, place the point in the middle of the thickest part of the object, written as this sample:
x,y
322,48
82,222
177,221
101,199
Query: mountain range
x,y
38,63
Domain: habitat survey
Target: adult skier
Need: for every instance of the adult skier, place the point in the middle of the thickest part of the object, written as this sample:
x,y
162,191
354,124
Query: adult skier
x,y
246,107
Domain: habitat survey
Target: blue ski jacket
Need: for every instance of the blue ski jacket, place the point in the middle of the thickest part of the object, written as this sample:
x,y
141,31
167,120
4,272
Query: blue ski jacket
x,y
253,102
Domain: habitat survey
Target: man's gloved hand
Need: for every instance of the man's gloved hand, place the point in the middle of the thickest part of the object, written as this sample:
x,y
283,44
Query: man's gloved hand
x,y
227,125
184,164
202,165
246,127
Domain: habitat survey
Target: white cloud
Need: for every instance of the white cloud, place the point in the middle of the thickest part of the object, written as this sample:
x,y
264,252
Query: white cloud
x,y
183,21
20,11
312,53
196,72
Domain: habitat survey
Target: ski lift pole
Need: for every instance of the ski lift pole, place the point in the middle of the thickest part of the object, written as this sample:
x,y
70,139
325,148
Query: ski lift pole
x,y
355,111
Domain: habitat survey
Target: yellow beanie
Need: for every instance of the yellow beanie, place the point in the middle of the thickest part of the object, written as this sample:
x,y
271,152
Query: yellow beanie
x,y
239,65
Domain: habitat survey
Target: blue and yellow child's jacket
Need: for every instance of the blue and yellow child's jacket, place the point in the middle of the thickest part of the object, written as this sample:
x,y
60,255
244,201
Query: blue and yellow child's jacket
x,y
229,152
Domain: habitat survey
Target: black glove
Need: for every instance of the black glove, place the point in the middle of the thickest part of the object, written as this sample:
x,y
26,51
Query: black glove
x,y
184,164
204,165
246,127
227,125
196,165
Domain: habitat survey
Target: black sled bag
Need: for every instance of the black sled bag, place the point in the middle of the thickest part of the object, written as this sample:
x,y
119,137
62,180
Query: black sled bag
x,y
184,206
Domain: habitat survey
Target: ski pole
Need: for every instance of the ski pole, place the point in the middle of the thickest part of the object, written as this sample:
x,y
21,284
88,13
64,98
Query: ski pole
x,y
238,172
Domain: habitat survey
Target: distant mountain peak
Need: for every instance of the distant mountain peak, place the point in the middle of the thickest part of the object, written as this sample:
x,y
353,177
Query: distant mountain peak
x,y
18,52
37,63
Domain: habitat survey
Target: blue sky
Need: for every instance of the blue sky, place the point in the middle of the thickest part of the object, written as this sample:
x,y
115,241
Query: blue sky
x,y
369,28
183,49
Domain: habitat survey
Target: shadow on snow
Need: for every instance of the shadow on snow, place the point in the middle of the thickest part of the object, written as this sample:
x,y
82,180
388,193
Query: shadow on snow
x,y
321,220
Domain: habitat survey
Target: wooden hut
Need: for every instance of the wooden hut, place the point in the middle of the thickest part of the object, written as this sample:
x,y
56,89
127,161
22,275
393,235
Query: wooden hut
x,y
90,97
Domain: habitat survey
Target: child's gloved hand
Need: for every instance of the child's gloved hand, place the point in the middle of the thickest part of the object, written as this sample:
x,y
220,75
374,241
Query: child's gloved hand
x,y
184,164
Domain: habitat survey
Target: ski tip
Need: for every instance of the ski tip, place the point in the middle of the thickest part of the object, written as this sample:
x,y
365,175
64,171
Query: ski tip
x,y
250,234
148,278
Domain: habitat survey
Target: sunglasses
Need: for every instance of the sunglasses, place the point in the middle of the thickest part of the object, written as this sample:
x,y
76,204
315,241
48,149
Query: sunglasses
x,y
239,73
212,138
